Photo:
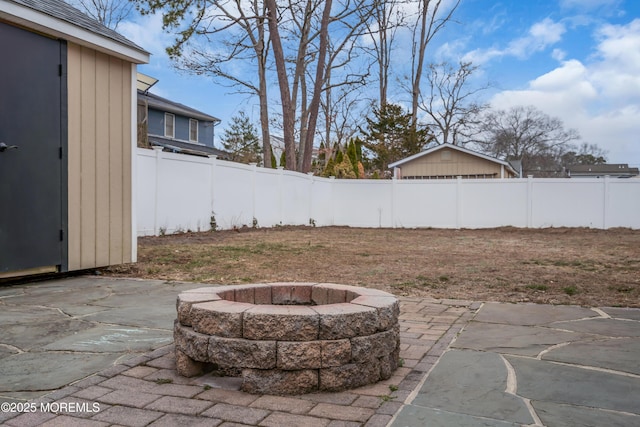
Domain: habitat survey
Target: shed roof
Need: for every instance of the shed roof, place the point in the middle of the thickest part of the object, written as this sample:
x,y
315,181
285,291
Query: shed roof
x,y
453,147
169,106
58,18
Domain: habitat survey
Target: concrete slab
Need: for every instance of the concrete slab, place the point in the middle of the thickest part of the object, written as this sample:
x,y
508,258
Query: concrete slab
x,y
60,331
43,372
530,314
622,313
113,339
412,416
551,382
472,383
604,327
156,316
552,414
7,350
513,339
55,299
38,328
565,365
618,354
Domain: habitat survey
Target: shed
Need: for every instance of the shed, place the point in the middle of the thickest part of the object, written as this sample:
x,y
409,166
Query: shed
x,y
68,132
448,161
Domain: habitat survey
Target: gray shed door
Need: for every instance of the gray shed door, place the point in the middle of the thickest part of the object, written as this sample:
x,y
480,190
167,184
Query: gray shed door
x,y
32,197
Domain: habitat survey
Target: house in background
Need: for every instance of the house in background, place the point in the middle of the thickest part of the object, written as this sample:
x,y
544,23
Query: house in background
x,y
600,171
67,123
448,161
174,126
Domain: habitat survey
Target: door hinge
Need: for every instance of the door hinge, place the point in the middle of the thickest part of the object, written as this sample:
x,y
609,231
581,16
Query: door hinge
x,y
60,152
60,70
61,235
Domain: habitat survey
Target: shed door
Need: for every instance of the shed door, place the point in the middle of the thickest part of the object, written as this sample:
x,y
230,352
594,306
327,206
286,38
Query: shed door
x,y
32,137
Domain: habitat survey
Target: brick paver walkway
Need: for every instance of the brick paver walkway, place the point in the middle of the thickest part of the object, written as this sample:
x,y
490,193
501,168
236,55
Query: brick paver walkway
x,y
146,390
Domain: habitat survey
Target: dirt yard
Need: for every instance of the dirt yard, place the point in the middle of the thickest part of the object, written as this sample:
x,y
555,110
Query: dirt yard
x,y
555,266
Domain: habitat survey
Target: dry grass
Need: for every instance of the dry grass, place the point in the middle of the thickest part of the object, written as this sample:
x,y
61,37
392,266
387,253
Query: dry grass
x,y
557,266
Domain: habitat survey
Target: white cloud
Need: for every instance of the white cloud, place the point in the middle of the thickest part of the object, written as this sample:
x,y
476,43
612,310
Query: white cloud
x,y
558,55
601,98
617,69
147,33
540,36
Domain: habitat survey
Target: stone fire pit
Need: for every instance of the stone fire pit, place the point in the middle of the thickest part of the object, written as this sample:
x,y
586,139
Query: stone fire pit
x,y
289,338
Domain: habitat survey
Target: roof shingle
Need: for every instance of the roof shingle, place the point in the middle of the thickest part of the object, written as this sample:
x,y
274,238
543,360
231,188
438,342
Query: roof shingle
x,y
64,11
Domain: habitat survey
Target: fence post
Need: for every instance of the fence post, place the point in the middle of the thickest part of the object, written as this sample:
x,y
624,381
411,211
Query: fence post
x,y
281,191
156,196
311,181
393,201
332,183
214,160
605,201
254,171
529,201
459,204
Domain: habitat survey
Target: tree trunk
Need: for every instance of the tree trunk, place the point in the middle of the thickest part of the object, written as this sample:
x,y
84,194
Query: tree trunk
x,y
317,90
423,40
283,82
262,93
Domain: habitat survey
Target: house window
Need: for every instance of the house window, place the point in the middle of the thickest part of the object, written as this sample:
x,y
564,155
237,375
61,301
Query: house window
x,y
169,125
193,130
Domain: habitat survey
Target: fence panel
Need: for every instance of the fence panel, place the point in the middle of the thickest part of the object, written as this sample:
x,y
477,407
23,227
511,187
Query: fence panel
x,y
179,192
146,181
493,203
623,203
296,198
183,193
419,205
567,203
233,205
268,197
321,202
362,203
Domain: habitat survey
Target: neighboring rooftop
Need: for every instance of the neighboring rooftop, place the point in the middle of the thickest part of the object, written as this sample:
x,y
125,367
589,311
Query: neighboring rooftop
x,y
619,170
159,103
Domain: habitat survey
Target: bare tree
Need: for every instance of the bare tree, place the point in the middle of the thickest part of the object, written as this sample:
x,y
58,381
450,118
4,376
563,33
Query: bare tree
x,y
343,80
450,103
315,55
341,115
213,37
433,15
224,38
382,29
527,134
288,109
110,13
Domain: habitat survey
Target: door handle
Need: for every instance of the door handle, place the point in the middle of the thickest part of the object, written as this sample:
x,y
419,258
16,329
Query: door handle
x,y
5,147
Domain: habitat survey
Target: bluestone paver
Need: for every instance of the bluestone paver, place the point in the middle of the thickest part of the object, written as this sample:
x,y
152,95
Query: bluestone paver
x,y
464,364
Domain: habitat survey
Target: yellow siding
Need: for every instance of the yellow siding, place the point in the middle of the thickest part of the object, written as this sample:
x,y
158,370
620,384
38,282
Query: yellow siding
x,y
99,159
448,162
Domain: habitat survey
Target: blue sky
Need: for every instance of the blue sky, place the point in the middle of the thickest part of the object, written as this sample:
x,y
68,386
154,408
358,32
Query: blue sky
x,y
578,60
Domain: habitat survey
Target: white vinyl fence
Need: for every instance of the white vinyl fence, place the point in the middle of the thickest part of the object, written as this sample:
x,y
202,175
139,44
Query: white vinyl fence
x,y
178,192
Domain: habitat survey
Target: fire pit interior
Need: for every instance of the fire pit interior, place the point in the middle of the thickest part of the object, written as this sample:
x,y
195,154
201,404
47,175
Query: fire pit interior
x,y
289,338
